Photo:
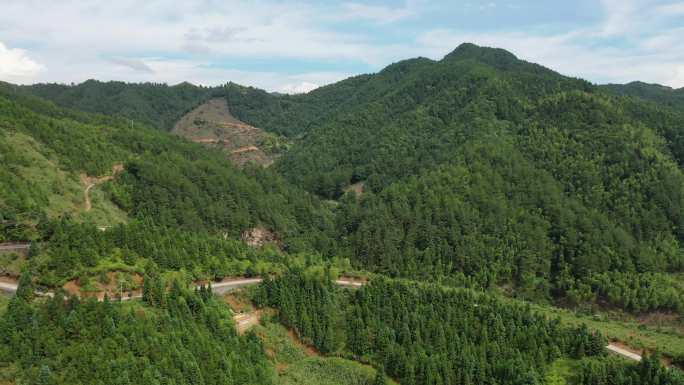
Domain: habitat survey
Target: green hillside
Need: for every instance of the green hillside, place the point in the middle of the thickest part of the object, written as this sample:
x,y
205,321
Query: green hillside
x,y
662,95
479,169
155,105
491,171
461,188
46,150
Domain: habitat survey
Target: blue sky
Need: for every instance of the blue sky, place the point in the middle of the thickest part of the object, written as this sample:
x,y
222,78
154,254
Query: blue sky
x,y
296,46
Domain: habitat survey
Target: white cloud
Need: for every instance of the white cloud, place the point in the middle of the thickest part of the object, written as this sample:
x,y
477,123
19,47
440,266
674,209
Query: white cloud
x,y
671,10
16,65
134,64
629,43
377,13
194,40
619,16
300,88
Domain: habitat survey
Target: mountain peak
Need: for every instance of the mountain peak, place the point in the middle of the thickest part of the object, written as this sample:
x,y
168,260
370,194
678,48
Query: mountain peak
x,y
496,57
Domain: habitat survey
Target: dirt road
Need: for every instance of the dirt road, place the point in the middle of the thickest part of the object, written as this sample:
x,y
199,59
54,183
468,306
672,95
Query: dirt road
x,y
9,288
14,246
91,182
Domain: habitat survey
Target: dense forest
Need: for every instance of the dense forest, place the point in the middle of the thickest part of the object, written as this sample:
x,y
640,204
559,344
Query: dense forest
x,y
425,334
155,105
662,95
201,192
182,337
480,173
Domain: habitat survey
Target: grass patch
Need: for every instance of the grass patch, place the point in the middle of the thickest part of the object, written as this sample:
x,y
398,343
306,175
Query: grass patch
x,y
297,365
327,371
637,335
63,190
561,371
4,300
11,263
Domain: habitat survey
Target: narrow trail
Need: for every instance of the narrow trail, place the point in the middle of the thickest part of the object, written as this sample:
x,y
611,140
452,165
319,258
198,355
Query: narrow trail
x,y
15,246
91,182
86,194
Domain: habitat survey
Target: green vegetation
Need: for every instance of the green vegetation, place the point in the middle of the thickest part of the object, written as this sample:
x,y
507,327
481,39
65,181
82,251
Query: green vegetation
x,y
482,173
616,372
663,95
561,371
187,338
425,334
297,367
327,371
666,340
155,105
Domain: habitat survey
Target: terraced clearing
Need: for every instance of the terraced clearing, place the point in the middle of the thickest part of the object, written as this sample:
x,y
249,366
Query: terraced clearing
x,y
212,124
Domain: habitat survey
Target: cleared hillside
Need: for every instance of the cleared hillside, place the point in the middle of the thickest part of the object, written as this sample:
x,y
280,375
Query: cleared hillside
x,y
213,125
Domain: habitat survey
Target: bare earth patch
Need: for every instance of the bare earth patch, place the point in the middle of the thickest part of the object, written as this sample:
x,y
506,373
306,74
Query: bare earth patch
x,y
112,289
212,124
259,236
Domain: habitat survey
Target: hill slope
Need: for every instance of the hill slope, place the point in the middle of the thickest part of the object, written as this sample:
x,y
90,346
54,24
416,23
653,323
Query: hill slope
x,y
156,105
201,192
212,124
494,171
662,95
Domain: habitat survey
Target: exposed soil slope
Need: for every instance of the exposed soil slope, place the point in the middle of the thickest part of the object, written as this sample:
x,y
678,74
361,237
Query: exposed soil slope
x,y
212,124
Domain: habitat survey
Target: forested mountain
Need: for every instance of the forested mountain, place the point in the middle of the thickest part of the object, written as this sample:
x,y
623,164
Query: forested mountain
x,y
166,181
481,173
481,169
663,95
156,105
490,170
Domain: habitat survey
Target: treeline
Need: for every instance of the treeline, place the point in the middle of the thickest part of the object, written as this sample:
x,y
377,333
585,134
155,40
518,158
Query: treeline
x,y
73,250
663,95
425,334
152,104
189,338
617,372
492,218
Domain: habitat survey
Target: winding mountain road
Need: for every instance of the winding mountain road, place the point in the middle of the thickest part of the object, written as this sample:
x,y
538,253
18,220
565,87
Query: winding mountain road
x,y
227,286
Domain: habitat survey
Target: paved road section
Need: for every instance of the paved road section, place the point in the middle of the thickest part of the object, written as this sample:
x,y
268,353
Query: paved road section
x,y
217,287
623,352
226,286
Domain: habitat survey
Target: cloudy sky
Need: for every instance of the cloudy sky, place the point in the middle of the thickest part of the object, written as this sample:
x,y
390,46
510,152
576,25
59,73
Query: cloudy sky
x,y
296,46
